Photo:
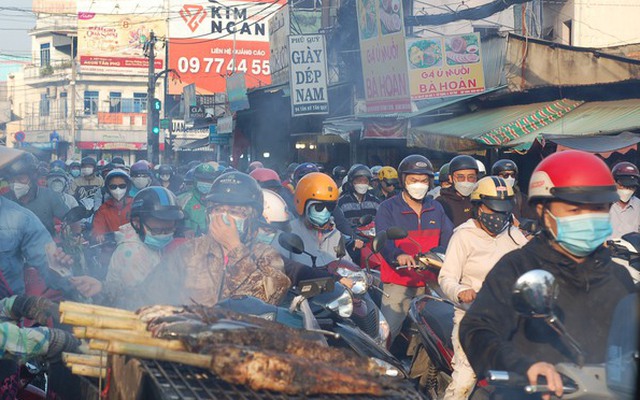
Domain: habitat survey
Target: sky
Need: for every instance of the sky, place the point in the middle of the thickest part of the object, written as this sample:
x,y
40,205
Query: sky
x,y
14,30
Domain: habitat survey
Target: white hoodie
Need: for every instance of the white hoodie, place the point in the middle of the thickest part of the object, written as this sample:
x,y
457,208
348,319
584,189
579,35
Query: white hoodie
x,y
470,256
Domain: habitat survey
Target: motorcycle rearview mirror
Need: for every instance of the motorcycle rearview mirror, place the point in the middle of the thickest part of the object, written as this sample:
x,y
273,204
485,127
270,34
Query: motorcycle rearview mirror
x,y
291,242
396,232
341,248
76,214
534,294
379,242
365,220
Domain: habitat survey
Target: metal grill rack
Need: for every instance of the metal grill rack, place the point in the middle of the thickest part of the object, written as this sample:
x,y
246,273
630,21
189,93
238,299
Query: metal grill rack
x,y
172,381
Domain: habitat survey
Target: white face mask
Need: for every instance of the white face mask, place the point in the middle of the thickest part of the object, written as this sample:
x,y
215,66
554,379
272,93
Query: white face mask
x,y
361,188
625,194
118,194
87,171
20,189
511,181
56,186
465,188
418,190
140,182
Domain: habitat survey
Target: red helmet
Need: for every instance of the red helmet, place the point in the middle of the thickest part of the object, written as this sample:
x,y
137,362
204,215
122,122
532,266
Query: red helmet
x,y
254,165
266,177
626,174
573,176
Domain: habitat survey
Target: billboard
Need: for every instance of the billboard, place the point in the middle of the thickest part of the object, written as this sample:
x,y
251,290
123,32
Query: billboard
x,y
308,65
445,66
279,28
384,65
210,40
112,34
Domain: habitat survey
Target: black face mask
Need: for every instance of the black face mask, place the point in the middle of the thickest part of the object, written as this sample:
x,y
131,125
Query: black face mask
x,y
494,223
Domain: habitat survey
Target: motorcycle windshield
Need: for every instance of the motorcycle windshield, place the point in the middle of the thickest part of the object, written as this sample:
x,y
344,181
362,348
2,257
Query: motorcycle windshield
x,y
622,346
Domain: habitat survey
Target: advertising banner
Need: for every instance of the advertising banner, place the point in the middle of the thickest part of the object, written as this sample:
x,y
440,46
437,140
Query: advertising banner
x,y
210,40
384,66
308,66
54,7
445,66
279,29
237,92
112,34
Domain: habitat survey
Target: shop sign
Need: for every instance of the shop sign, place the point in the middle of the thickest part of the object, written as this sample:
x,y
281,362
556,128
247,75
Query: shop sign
x,y
308,66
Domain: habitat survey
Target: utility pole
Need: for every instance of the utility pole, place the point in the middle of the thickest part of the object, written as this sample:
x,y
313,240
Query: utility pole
x,y
72,89
152,140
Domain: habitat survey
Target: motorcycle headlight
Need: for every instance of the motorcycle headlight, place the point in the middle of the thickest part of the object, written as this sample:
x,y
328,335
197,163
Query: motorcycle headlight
x,y
359,279
389,369
383,331
343,305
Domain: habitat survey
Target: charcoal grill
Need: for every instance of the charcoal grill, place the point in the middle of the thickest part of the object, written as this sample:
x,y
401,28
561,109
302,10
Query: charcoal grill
x,y
171,381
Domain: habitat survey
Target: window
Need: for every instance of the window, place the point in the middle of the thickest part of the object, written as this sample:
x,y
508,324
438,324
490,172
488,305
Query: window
x,y
139,102
64,111
567,32
44,105
115,102
45,54
90,102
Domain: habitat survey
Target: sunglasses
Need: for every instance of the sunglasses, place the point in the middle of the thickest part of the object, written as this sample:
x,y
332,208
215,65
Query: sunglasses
x,y
120,186
322,205
160,231
505,175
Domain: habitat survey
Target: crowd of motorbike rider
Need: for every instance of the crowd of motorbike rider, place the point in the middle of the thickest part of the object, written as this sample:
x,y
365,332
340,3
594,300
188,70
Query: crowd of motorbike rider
x,y
204,232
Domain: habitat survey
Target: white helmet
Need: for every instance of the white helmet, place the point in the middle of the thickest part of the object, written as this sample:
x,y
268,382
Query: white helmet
x,y
482,171
275,208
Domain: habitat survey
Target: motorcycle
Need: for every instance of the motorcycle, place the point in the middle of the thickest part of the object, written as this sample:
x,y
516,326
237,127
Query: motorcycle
x,y
365,313
366,231
534,294
626,252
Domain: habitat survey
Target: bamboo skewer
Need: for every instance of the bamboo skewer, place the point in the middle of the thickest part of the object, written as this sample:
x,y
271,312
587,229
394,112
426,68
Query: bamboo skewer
x,y
85,370
99,321
156,353
66,306
134,337
83,359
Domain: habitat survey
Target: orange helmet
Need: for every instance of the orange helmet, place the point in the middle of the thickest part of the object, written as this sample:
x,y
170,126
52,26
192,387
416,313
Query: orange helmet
x,y
314,186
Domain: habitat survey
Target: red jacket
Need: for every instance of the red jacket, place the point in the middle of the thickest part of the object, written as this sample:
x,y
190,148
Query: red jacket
x,y
111,216
431,229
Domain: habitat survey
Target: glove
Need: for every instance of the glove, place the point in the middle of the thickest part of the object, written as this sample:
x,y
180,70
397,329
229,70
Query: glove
x,y
35,308
60,342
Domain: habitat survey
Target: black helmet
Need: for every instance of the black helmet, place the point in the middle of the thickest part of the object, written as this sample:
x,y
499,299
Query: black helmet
x,y
304,169
502,166
26,164
414,164
156,202
461,162
165,169
74,164
237,189
443,175
358,170
339,172
117,161
89,161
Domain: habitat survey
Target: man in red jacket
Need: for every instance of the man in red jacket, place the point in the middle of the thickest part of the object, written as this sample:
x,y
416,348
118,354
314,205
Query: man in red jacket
x,y
428,227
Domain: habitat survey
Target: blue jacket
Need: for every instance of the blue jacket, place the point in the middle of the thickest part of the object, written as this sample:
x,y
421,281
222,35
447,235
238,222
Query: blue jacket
x,y
431,229
23,239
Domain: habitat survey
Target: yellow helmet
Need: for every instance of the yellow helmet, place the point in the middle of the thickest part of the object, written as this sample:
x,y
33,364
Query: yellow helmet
x,y
388,173
494,193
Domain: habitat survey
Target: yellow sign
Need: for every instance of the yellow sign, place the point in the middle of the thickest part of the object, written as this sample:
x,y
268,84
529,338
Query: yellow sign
x,y
445,66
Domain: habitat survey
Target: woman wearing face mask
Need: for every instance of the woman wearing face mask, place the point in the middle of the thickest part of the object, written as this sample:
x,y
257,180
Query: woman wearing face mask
x,y
141,177
315,197
428,227
463,173
85,186
142,244
58,181
474,249
114,212
571,192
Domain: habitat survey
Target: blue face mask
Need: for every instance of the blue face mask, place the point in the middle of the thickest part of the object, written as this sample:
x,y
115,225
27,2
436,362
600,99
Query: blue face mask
x,y
158,242
75,173
204,187
582,234
240,223
265,237
318,218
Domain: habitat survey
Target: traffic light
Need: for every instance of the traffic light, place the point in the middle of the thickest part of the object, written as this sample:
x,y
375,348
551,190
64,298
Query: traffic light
x,y
156,106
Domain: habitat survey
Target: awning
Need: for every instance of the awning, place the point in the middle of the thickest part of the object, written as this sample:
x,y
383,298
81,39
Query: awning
x,y
493,127
191,145
596,118
603,145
